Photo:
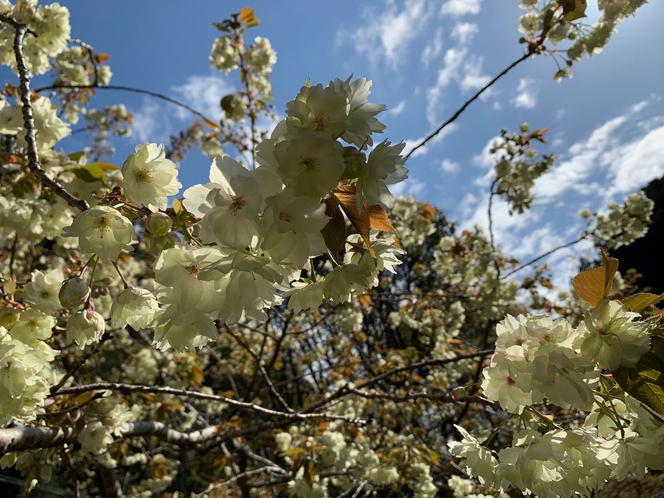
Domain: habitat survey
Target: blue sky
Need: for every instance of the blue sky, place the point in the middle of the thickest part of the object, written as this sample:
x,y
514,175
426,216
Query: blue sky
x,y
425,58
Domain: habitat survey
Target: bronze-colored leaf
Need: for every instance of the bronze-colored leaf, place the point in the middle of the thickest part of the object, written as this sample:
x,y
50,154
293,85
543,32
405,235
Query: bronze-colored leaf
x,y
378,219
345,194
334,233
595,284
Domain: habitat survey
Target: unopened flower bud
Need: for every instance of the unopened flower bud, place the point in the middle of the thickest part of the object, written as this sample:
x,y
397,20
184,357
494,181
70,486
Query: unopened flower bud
x,y
158,224
524,127
585,213
85,327
74,292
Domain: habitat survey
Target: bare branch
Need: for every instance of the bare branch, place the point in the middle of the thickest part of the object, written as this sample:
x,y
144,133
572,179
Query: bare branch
x,y
548,253
471,100
127,388
28,119
125,89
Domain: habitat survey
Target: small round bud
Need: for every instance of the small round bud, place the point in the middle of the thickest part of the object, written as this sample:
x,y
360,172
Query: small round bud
x,y
158,224
524,127
74,292
585,213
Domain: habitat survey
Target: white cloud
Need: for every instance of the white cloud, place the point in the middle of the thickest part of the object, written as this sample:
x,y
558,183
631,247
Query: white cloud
x,y
148,123
410,186
457,8
636,163
202,93
432,49
449,166
457,66
473,79
464,32
526,95
386,34
397,110
584,159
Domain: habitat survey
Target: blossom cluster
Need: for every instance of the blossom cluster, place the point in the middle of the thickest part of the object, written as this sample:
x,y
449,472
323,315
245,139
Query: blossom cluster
x,y
623,224
584,41
258,228
537,360
50,22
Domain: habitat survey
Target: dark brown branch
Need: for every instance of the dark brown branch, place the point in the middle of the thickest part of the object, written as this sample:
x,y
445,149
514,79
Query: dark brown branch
x,y
343,391
471,100
130,388
79,363
125,89
548,253
28,119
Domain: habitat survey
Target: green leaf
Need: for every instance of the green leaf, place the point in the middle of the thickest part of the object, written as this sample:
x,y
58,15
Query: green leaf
x,y
638,302
91,173
646,380
75,156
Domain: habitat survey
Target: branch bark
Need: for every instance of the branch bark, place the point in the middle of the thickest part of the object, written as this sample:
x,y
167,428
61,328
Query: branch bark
x,y
28,119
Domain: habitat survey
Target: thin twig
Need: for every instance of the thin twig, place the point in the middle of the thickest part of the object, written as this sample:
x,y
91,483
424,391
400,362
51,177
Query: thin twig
x,y
471,100
125,89
28,119
56,389
583,237
127,388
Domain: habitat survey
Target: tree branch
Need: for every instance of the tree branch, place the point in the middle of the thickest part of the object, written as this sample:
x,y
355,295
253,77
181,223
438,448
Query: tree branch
x,y
472,99
28,119
535,260
125,89
129,388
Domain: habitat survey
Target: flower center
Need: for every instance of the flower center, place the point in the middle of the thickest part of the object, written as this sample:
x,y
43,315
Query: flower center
x,y
104,224
309,164
285,217
237,204
142,176
193,269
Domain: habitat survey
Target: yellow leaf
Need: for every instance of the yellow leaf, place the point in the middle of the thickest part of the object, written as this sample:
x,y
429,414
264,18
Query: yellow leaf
x,y
573,9
246,14
102,57
308,83
196,375
211,124
638,302
177,206
365,301
594,284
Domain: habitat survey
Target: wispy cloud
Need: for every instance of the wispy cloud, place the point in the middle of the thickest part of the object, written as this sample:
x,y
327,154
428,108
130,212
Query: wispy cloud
x,y
449,166
458,66
433,48
395,111
388,33
202,93
148,124
526,95
458,8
